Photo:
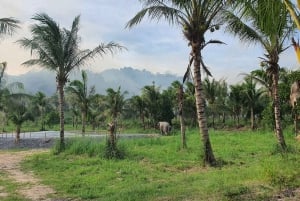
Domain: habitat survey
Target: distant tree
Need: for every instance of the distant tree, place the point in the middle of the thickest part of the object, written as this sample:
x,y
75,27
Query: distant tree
x,y
139,106
252,97
40,103
19,113
82,95
151,96
57,49
210,89
235,102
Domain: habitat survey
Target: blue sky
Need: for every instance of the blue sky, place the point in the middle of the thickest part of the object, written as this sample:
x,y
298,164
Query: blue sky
x,y
153,46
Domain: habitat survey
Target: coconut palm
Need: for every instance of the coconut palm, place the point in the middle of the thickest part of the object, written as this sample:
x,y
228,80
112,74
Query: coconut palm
x,y
151,96
19,112
82,95
8,26
137,103
267,23
40,104
57,49
235,102
115,101
210,89
195,17
252,97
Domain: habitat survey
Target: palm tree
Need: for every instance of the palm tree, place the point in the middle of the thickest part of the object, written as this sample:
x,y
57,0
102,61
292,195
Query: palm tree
x,y
40,104
82,95
195,17
235,102
115,101
8,26
151,95
210,89
138,105
57,49
19,113
252,97
266,22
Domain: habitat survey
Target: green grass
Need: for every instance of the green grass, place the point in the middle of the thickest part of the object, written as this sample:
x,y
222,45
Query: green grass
x,y
156,169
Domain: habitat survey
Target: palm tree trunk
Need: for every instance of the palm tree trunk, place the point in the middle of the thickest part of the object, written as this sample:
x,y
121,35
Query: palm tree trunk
x,y
252,118
202,121
83,117
18,131
182,124
278,128
61,115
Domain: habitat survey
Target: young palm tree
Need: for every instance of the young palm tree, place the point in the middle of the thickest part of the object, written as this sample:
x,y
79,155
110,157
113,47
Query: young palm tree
x,y
82,95
138,105
252,97
236,101
8,26
19,113
40,103
151,95
266,22
210,89
115,101
57,49
195,17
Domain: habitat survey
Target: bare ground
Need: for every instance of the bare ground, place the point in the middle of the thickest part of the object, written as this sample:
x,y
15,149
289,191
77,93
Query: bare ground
x,y
32,188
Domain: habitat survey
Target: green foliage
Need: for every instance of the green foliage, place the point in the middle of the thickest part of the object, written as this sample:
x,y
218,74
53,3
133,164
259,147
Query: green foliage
x,y
156,169
112,151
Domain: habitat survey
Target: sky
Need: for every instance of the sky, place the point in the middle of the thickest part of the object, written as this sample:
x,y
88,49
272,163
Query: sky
x,y
151,45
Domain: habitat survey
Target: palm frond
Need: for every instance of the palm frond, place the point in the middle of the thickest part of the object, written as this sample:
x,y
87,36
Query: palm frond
x,y
8,25
239,28
155,10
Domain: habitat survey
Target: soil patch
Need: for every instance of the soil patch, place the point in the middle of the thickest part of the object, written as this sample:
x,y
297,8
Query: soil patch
x,y
32,188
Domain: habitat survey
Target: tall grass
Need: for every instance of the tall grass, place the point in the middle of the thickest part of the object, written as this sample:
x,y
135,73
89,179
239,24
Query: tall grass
x,y
157,169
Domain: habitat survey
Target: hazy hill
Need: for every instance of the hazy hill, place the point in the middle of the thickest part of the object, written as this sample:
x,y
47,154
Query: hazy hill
x,y
131,80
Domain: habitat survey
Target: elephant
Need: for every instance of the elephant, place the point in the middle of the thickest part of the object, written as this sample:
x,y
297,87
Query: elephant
x,y
295,93
164,127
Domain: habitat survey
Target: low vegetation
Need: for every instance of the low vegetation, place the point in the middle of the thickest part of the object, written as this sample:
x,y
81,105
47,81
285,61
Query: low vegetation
x,y
250,167
8,189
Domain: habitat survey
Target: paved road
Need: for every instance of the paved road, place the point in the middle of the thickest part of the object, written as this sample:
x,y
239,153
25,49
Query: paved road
x,y
55,134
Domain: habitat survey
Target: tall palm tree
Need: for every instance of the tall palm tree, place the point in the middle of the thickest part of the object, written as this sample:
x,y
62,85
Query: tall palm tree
x,y
57,49
267,23
8,26
195,17
82,95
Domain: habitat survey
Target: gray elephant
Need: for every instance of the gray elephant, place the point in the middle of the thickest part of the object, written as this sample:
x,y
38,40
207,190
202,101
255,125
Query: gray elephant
x,y
164,127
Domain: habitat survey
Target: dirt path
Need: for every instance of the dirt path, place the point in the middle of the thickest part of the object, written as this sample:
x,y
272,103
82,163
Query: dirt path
x,y
32,188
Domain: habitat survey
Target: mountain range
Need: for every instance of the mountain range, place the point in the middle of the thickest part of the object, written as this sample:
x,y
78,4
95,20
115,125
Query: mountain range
x,y
130,79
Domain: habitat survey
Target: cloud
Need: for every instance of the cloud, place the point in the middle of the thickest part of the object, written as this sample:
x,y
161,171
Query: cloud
x,y
155,46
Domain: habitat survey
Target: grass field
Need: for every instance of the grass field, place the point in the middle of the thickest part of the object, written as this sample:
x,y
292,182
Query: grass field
x,y
250,168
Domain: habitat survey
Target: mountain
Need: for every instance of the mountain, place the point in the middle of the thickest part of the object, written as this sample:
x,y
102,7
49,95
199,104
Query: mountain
x,y
130,79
